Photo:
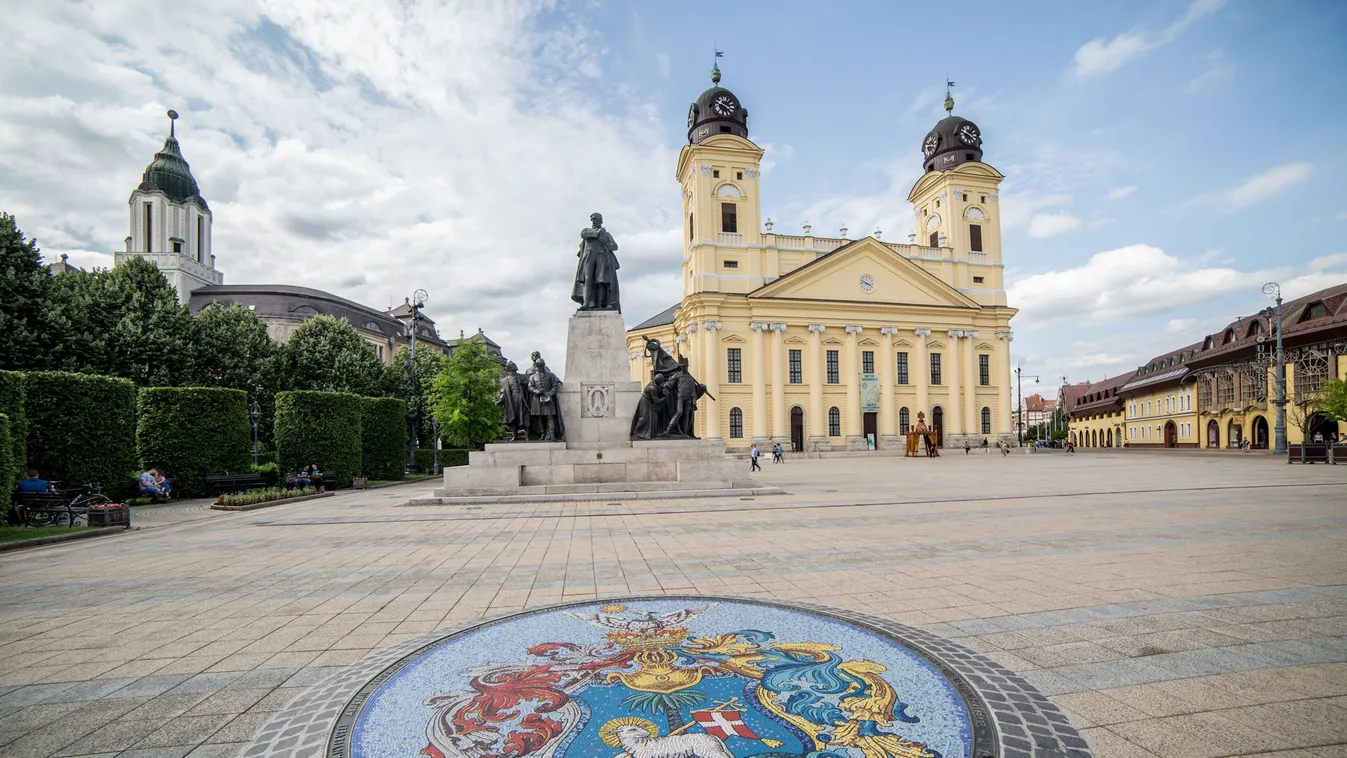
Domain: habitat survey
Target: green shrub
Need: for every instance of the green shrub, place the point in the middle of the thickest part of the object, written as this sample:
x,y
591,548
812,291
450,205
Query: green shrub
x,y
12,404
81,428
190,433
383,433
321,428
270,473
425,459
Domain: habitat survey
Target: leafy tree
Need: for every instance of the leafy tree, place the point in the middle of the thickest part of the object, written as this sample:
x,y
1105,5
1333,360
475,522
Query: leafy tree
x,y
326,353
124,322
1333,400
23,289
464,397
397,383
231,348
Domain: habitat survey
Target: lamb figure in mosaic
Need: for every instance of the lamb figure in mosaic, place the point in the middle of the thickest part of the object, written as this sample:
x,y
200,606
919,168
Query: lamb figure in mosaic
x,y
638,742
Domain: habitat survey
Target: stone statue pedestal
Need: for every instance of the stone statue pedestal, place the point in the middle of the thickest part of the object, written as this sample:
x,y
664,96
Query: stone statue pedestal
x,y
598,399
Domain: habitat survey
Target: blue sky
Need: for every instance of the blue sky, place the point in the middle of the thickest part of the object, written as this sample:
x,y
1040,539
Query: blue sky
x,y
1163,159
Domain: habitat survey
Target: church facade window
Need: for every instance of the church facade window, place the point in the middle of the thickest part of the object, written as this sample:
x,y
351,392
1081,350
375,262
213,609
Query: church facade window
x,y
834,422
984,370
986,420
833,376
902,368
729,218
868,361
975,238
935,368
904,420
735,362
736,423
796,367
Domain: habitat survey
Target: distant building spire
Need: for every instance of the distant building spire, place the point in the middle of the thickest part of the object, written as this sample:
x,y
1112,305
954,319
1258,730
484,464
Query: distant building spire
x,y
949,100
172,120
715,68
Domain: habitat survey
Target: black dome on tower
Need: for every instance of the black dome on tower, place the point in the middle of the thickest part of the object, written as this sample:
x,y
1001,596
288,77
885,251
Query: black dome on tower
x,y
716,111
953,141
170,174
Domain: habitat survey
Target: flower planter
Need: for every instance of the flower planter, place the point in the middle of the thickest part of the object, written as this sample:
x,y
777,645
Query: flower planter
x,y
114,514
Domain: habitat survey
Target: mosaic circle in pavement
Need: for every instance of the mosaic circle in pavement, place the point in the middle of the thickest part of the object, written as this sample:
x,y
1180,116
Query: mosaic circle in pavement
x,y
675,677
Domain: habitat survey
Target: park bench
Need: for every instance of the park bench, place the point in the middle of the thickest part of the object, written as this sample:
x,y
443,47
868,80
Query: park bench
x,y
44,508
233,482
56,508
328,480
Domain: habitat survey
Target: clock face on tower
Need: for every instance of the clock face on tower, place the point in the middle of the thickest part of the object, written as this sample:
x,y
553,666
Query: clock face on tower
x,y
692,114
867,283
968,134
725,105
932,142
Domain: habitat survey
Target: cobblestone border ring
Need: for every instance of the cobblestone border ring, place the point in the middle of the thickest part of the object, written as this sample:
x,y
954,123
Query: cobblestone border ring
x,y
795,677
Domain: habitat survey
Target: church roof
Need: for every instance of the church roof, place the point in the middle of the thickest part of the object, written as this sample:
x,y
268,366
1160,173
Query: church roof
x,y
170,174
292,301
662,318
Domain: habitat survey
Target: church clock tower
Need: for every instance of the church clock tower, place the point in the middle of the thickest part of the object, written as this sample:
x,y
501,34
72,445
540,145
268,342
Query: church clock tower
x,y
956,207
170,222
719,171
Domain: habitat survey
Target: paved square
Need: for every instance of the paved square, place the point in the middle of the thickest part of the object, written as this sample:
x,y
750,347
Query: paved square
x,y
1173,604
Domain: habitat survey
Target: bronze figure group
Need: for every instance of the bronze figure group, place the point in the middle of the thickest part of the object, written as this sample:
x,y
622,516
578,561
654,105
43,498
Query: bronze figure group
x,y
529,403
669,402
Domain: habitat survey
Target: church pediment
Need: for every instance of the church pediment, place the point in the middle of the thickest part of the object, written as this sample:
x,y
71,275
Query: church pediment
x,y
733,338
796,341
865,271
984,346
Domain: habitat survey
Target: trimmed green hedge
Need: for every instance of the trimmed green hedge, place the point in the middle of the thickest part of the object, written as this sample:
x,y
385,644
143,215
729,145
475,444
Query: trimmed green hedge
x,y
12,404
190,433
383,433
322,428
7,476
81,428
425,459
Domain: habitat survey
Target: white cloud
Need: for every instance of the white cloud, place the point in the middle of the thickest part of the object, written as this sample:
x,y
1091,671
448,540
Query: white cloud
x,y
1268,183
1100,56
1017,208
1052,224
1180,325
1139,280
363,149
1341,215
1117,193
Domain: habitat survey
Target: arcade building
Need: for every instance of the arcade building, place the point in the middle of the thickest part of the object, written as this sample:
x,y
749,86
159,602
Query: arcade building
x,y
834,343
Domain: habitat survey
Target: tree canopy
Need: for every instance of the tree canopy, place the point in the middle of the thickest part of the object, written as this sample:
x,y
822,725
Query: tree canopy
x,y
464,397
327,354
1333,400
23,290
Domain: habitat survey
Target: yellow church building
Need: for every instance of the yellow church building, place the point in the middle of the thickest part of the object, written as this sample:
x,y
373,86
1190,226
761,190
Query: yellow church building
x,y
834,343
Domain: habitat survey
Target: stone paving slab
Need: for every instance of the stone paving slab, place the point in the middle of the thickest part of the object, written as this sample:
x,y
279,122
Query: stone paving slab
x,y
1115,584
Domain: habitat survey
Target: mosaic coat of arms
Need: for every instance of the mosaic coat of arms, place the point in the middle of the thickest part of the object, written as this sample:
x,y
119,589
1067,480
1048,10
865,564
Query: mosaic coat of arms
x,y
665,679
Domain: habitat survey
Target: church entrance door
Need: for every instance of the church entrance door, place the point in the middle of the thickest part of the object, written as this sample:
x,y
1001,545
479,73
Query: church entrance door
x,y
938,424
1171,434
870,427
797,429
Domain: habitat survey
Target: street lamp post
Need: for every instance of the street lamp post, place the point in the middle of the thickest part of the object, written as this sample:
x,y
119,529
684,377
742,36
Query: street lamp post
x,y
255,415
1275,291
1019,382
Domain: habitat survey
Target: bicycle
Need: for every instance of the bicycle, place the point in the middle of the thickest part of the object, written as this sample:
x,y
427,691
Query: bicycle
x,y
90,495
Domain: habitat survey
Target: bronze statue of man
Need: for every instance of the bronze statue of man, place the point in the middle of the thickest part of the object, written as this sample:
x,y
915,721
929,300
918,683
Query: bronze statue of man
x,y
596,273
683,391
544,410
514,403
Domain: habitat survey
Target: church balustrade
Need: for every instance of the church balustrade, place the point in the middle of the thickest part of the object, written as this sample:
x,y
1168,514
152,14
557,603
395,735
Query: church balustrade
x,y
729,238
976,257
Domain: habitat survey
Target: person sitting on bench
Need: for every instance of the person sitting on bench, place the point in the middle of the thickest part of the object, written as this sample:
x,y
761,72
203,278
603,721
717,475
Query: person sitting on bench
x,y
34,483
154,485
302,477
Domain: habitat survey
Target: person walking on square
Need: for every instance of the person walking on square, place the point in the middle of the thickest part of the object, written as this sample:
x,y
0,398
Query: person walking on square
x,y
777,456
967,447
753,458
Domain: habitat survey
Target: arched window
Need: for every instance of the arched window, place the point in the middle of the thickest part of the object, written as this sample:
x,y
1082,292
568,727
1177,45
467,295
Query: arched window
x,y
986,420
904,420
736,423
834,422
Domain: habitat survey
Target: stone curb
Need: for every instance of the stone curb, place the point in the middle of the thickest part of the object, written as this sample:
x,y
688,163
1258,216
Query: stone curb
x,y
268,504
594,497
55,538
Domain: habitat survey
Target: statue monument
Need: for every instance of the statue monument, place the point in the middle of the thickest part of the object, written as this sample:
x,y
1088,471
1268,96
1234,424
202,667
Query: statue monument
x,y
596,273
599,431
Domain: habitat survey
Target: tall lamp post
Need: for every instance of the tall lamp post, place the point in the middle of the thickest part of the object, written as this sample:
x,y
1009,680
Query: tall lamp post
x,y
255,415
418,302
1019,382
1275,291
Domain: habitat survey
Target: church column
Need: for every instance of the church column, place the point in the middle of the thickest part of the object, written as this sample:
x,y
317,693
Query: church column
x,y
888,425
697,364
711,353
780,430
952,375
851,419
972,414
920,374
759,357
1001,378
816,424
